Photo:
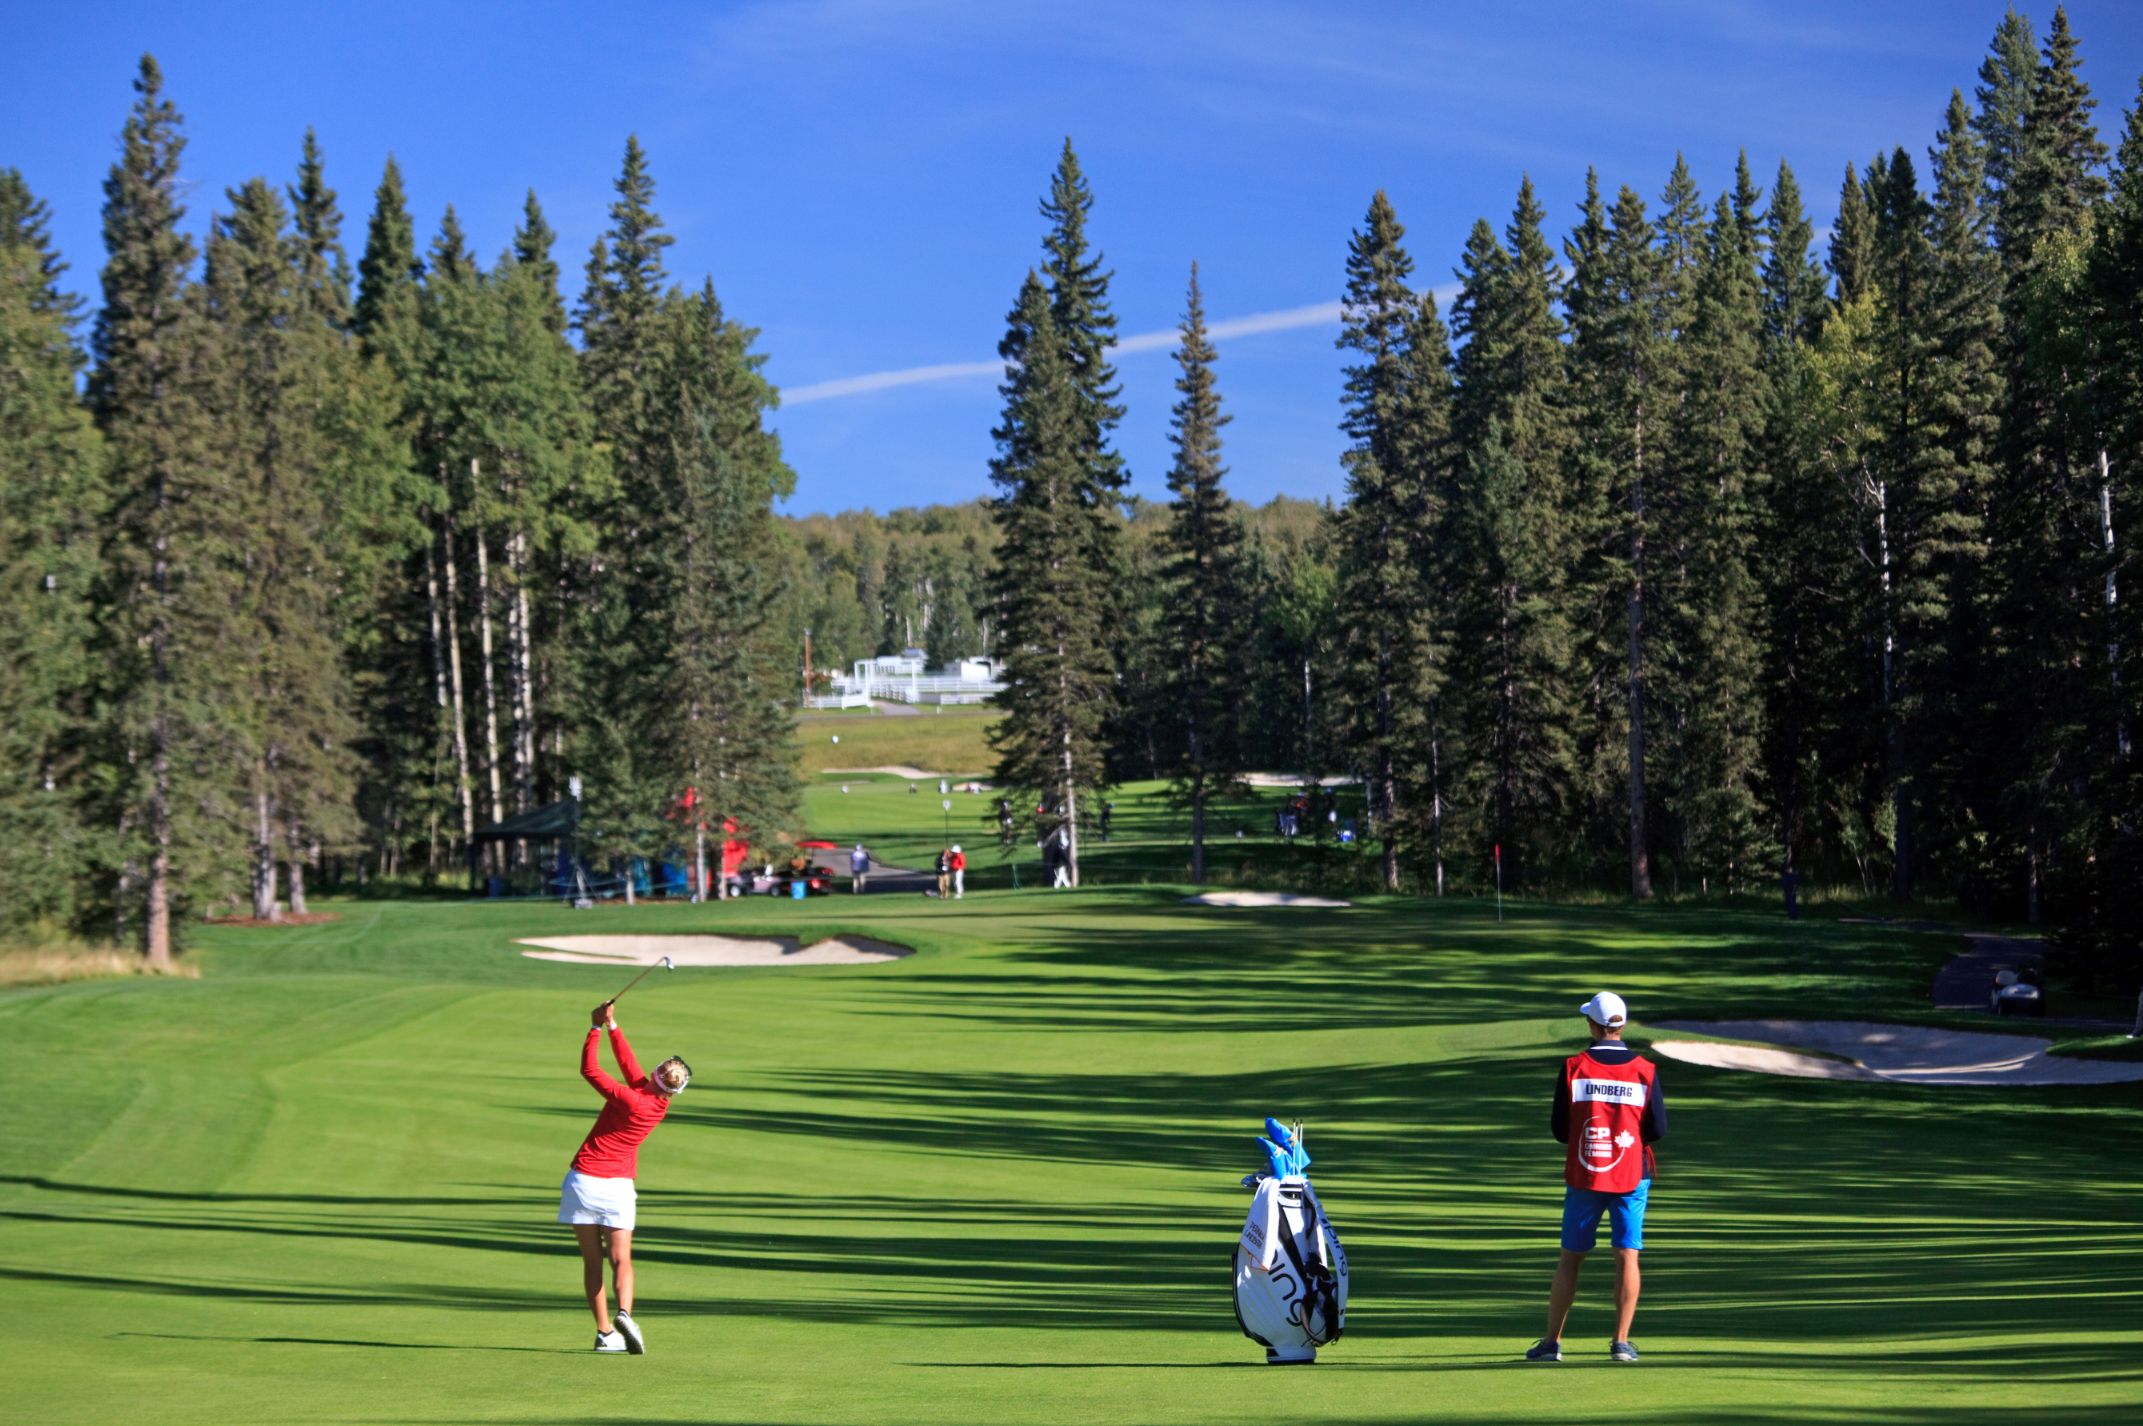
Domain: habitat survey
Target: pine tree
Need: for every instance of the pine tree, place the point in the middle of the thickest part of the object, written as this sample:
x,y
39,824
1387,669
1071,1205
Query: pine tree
x,y
325,268
169,584
1711,605
51,502
2007,77
1623,370
1852,239
1201,596
1519,527
1964,401
388,272
276,376
1053,598
1392,605
720,703
2056,691
1794,288
532,251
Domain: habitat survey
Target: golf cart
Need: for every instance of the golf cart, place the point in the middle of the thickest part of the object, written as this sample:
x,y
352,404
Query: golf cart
x,y
2019,990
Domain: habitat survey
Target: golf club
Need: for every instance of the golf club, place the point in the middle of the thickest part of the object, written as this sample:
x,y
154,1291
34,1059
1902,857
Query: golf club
x,y
664,964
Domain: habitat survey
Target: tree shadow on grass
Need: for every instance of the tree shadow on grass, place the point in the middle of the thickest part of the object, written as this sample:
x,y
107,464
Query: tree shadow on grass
x,y
353,1342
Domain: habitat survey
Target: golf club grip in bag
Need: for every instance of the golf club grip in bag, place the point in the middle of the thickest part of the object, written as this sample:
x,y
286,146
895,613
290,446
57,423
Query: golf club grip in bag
x,y
1290,1273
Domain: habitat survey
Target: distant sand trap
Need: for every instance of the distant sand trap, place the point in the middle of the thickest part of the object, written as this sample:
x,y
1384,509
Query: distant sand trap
x,y
715,950
913,774
1294,779
1904,1054
1260,898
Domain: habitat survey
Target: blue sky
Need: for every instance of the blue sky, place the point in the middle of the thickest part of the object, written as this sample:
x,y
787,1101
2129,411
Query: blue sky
x,y
860,177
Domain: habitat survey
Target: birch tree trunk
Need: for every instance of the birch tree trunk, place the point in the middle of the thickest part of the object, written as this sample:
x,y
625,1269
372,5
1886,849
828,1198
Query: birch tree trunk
x,y
524,675
484,646
263,847
2113,601
455,687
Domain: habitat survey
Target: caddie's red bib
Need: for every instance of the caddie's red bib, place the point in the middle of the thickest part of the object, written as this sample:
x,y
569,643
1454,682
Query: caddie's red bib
x,y
1607,1102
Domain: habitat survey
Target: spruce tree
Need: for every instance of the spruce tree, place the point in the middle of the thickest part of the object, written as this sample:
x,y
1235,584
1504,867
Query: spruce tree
x,y
1710,607
388,272
1623,371
1852,239
51,503
1201,596
1393,607
2007,77
1794,288
720,702
324,267
1053,598
1519,528
275,377
169,571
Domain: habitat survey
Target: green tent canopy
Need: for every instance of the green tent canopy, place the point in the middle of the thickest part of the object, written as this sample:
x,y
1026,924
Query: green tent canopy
x,y
553,820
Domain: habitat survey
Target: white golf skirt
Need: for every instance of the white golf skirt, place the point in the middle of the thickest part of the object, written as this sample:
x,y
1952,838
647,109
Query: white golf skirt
x,y
608,1201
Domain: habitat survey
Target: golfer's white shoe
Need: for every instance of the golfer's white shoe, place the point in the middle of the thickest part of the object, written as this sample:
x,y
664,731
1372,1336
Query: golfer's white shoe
x,y
610,1342
634,1342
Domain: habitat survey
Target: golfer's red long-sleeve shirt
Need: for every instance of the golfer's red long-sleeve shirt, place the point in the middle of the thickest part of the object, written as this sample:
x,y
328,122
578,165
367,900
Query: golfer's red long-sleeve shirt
x,y
630,1111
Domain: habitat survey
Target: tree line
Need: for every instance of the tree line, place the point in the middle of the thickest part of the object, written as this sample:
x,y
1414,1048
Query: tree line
x,y
320,568
1676,555
1685,548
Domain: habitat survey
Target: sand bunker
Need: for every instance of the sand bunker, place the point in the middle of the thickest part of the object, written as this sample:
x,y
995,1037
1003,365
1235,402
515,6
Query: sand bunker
x,y
1905,1054
715,950
1294,779
913,774
1259,898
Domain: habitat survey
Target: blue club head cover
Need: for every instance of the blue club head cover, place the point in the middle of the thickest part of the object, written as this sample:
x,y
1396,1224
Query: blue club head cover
x,y
1283,1153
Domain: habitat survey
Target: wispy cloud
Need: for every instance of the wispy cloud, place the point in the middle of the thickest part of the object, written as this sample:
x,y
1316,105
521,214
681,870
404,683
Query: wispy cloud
x,y
1286,319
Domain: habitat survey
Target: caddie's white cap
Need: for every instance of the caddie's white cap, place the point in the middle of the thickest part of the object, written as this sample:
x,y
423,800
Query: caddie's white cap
x,y
1606,1008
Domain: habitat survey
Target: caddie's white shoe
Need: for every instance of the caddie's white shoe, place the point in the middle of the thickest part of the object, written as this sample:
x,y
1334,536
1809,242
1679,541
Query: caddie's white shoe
x,y
634,1342
610,1342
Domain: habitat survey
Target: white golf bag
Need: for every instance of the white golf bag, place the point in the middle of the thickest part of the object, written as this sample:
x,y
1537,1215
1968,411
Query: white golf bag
x,y
1290,1273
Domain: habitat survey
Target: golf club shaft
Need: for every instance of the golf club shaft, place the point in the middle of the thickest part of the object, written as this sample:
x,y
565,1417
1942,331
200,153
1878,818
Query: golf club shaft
x,y
628,986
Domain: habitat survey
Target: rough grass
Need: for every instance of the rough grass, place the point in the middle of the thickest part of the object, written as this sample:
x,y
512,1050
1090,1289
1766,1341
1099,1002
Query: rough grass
x,y
56,963
995,1181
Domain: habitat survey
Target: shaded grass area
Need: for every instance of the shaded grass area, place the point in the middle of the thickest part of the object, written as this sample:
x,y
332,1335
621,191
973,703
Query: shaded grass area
x,y
995,1181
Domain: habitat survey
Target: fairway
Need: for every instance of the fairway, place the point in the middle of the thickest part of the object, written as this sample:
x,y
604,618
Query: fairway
x,y
996,1181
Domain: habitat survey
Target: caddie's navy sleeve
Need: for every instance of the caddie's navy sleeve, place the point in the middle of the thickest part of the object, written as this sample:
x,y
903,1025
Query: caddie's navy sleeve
x,y
1559,1116
1654,1126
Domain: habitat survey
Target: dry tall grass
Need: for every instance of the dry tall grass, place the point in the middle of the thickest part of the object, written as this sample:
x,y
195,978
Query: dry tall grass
x,y
52,964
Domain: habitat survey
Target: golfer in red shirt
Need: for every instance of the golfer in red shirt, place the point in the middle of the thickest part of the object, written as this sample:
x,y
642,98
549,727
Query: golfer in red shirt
x,y
597,1197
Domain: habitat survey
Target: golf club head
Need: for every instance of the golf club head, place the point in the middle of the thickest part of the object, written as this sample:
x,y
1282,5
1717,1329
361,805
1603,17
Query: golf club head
x,y
667,964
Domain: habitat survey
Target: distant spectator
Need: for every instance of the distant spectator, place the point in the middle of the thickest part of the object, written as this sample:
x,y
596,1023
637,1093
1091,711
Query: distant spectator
x,y
859,868
944,873
959,872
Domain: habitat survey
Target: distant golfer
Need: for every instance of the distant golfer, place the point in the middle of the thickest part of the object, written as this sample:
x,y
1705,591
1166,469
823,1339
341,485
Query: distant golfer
x,y
597,1197
859,868
958,863
1609,1109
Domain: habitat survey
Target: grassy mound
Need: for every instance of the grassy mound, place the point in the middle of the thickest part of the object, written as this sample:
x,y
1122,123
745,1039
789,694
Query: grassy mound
x,y
996,1180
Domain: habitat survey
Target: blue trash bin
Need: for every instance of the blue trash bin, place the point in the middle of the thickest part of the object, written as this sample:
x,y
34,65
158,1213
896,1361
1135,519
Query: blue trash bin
x,y
496,887
798,890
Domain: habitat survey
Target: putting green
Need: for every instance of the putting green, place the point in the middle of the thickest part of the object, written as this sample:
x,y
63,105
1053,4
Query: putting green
x,y
995,1181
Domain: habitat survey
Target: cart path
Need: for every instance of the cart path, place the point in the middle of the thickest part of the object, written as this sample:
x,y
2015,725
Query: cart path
x,y
1966,979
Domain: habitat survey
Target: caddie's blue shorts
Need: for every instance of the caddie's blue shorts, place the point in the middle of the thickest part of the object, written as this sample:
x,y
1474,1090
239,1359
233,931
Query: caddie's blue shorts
x,y
1582,1208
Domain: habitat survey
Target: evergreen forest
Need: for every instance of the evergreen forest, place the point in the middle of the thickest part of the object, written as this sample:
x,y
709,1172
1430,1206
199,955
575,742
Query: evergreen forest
x,y
1683,548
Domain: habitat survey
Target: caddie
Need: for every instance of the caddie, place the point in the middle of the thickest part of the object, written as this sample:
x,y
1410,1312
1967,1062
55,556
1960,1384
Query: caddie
x,y
1609,1111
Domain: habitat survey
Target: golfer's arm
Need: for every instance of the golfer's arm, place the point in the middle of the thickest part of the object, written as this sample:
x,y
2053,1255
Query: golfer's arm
x,y
627,1065
592,1071
1654,1127
1559,1112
